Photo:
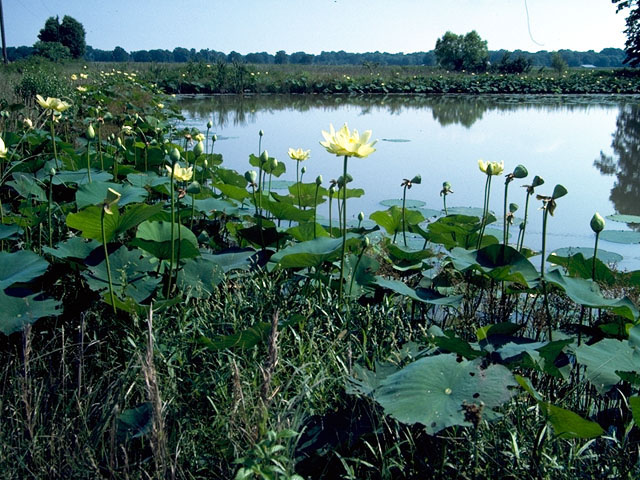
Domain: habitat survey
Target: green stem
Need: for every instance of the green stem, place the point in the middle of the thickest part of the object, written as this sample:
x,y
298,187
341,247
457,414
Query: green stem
x,y
315,212
444,201
298,181
106,259
99,144
50,199
595,255
173,221
542,264
355,269
404,215
485,211
344,231
53,141
89,160
505,235
330,221
526,212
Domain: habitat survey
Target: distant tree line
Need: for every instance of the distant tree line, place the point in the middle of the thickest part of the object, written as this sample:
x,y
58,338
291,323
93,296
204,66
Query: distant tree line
x,y
608,57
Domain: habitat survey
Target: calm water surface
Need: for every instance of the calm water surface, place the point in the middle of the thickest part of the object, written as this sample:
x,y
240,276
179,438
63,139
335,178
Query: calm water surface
x,y
591,145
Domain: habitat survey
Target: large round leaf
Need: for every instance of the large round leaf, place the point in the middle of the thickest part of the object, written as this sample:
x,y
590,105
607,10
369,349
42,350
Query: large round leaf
x,y
18,312
155,238
199,276
20,266
441,391
620,236
94,193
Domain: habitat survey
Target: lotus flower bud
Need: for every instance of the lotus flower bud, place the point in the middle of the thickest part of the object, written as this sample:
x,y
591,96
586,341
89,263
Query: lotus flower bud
x,y
209,124
273,163
367,242
361,216
319,180
251,176
91,134
303,170
119,142
214,138
597,223
193,188
261,133
198,149
27,123
264,157
332,190
52,171
520,172
112,198
513,207
174,155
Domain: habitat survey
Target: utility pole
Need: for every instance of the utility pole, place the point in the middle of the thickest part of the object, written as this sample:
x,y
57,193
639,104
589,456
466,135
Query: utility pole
x,y
4,43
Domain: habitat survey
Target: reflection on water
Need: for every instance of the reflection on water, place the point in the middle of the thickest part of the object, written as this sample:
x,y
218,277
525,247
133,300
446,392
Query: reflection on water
x,y
556,137
625,162
226,110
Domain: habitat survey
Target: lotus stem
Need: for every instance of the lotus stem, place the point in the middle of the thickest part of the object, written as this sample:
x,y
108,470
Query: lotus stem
x,y
595,255
330,221
344,223
298,181
404,215
483,223
355,268
53,141
106,259
315,212
49,201
98,143
505,227
88,160
542,264
444,203
526,212
173,222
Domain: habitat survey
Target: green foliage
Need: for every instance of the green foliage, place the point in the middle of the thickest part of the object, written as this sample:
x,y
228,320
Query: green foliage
x,y
558,63
462,52
68,35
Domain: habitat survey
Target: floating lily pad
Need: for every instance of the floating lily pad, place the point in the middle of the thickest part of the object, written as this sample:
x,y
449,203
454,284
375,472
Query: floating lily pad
x,y
396,140
624,218
397,202
603,255
281,184
470,211
430,212
620,236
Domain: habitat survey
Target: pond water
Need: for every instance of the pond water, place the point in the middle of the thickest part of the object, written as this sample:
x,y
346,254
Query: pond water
x,y
590,144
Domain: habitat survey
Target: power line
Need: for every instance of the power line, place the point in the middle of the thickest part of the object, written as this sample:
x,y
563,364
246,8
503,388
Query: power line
x,y
526,8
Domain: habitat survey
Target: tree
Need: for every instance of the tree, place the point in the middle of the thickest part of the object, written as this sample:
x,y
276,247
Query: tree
x,y
54,51
558,63
70,34
632,45
281,57
457,52
119,54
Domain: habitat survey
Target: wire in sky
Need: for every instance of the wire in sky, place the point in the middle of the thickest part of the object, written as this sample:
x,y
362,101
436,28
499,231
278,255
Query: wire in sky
x,y
526,8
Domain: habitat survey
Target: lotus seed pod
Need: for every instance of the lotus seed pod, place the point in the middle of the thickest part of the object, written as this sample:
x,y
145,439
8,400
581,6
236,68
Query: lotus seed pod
x,y
537,181
520,172
559,191
251,176
513,207
319,180
174,155
198,149
91,134
597,223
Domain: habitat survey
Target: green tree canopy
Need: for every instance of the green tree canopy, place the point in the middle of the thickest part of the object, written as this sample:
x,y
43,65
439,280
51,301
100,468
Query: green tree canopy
x,y
458,52
632,45
70,34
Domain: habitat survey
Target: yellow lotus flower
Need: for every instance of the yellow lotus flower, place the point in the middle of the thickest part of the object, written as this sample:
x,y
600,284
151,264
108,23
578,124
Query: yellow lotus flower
x,y
491,168
160,105
299,154
112,199
52,103
199,137
84,75
81,89
74,77
179,173
3,149
348,144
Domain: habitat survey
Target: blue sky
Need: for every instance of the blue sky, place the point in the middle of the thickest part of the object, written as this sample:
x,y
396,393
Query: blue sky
x,y
316,25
